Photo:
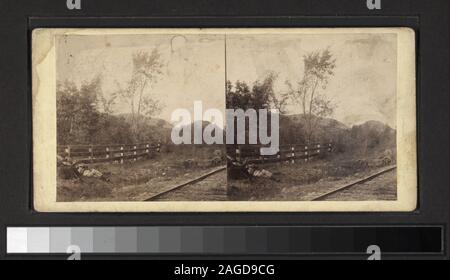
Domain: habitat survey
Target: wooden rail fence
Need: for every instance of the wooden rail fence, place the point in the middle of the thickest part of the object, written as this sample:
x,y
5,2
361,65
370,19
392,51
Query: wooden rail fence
x,y
287,153
250,153
107,153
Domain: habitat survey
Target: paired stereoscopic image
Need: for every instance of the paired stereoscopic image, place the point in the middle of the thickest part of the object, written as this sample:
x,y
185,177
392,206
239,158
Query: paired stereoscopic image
x,y
116,95
224,120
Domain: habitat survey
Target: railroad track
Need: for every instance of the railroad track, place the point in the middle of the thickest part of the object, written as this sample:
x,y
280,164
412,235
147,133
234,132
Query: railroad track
x,y
191,182
353,184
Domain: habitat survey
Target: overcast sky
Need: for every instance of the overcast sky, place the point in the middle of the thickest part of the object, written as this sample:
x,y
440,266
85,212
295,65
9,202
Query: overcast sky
x,y
364,85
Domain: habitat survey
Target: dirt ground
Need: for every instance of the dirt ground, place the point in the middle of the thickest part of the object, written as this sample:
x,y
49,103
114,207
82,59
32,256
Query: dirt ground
x,y
380,188
136,181
213,188
139,180
306,181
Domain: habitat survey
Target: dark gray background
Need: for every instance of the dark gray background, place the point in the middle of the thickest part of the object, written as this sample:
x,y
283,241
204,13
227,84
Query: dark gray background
x,y
19,17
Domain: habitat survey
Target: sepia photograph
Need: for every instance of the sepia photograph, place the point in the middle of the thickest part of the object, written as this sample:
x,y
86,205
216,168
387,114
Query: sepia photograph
x,y
336,97
115,99
224,120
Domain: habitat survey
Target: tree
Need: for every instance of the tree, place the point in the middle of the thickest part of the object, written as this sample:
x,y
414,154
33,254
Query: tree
x,y
104,102
319,67
260,96
146,70
77,112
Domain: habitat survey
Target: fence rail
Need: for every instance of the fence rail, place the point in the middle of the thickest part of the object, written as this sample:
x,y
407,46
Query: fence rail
x,y
107,153
249,153
287,153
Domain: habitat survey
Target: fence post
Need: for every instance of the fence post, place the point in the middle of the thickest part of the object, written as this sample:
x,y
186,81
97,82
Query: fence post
x,y
135,153
330,148
68,151
159,148
121,155
318,148
147,151
306,154
293,154
91,151
107,152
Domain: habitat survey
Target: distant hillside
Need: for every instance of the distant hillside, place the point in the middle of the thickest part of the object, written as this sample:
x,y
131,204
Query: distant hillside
x,y
153,121
322,122
292,129
373,136
375,127
204,124
163,124
152,129
369,137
